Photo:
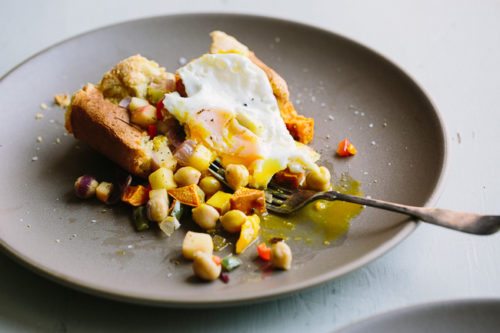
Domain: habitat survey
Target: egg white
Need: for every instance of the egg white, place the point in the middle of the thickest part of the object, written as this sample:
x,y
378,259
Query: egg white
x,y
249,127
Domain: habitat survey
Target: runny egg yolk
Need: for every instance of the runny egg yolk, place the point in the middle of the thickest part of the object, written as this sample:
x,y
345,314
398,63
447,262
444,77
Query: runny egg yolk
x,y
230,108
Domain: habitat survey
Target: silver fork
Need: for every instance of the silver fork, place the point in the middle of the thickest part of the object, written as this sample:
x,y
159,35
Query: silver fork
x,y
284,201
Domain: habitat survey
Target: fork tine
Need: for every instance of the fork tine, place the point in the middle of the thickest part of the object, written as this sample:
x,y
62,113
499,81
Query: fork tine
x,y
277,194
281,189
218,172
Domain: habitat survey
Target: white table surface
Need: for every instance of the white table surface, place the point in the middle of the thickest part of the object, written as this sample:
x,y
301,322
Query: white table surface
x,y
452,48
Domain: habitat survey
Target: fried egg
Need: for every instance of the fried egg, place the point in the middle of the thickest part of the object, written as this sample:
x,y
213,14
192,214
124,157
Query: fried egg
x,y
231,109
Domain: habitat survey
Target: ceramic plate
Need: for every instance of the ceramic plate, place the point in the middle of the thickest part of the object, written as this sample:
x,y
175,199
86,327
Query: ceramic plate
x,y
349,89
461,316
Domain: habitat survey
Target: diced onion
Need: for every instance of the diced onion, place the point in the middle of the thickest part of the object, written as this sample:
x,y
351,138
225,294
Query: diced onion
x,y
124,103
184,152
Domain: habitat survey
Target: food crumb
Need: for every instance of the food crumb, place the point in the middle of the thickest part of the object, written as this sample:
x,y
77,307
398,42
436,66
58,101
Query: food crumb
x,y
373,143
365,173
169,275
28,226
58,140
130,246
43,106
62,100
52,121
370,125
103,211
297,101
326,243
328,136
384,124
330,117
323,105
362,114
93,221
34,158
389,163
39,139
182,61
58,241
38,116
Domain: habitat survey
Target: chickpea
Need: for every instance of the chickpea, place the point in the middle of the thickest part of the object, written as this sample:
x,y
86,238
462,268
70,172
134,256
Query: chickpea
x,y
233,220
281,255
157,208
205,267
187,176
209,185
237,176
318,180
205,216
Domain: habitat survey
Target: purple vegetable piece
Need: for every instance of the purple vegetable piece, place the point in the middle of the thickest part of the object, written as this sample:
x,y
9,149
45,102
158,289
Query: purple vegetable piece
x,y
85,186
224,277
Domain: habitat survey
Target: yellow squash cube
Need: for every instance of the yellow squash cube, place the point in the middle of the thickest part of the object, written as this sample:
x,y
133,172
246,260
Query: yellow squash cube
x,y
162,178
249,233
219,199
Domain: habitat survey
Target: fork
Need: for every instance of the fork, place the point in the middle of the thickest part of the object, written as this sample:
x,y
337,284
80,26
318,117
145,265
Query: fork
x,y
284,201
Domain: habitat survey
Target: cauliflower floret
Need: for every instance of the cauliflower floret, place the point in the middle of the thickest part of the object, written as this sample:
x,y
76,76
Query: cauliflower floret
x,y
135,76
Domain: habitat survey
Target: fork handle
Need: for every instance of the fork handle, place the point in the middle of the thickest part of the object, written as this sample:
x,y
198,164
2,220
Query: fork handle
x,y
461,221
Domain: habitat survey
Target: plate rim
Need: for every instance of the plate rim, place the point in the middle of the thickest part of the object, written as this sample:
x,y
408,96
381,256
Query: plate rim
x,y
436,304
131,297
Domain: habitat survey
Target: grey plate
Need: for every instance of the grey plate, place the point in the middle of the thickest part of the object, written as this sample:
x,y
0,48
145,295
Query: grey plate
x,y
398,133
461,316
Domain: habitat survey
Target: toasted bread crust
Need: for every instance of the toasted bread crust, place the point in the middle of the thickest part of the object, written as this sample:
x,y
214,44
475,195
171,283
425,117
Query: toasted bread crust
x,y
106,128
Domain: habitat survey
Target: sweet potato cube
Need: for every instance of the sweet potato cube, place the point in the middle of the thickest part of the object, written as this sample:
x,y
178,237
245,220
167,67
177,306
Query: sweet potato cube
x,y
247,200
136,195
188,195
289,179
301,128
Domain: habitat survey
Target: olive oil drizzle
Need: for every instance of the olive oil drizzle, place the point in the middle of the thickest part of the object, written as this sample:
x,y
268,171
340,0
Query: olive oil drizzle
x,y
319,223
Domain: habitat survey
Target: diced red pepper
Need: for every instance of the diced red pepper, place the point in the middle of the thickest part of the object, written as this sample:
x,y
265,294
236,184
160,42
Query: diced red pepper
x,y
159,108
152,131
264,252
217,260
346,148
